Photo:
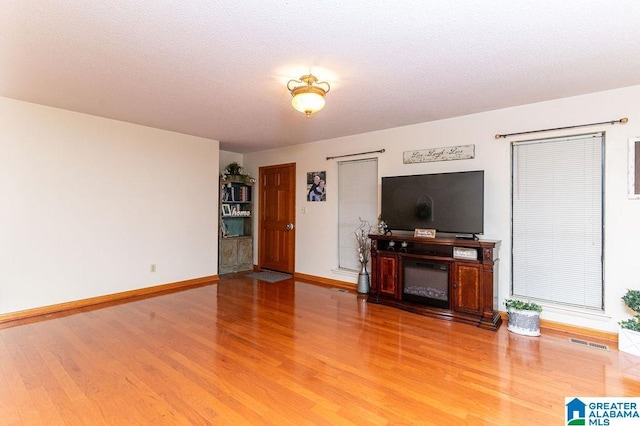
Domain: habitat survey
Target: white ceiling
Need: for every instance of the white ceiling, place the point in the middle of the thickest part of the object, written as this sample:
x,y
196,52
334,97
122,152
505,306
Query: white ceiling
x,y
218,69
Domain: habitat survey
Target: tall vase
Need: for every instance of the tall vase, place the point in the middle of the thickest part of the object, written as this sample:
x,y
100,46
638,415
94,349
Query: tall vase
x,y
363,279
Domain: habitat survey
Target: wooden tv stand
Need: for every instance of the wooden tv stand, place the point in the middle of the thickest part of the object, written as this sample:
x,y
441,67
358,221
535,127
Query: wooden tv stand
x,y
472,283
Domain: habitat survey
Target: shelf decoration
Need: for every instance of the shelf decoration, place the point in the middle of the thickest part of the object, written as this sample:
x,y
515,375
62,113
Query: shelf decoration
x,y
234,170
424,233
460,152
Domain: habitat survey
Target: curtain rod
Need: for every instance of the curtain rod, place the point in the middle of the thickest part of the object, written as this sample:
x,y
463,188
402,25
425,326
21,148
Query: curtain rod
x,y
621,121
359,153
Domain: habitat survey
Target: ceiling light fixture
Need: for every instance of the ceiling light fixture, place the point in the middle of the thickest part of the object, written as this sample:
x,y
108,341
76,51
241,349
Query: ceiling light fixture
x,y
308,94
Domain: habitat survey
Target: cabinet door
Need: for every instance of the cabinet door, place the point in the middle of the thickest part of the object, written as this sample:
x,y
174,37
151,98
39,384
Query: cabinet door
x,y
467,285
245,254
388,275
228,255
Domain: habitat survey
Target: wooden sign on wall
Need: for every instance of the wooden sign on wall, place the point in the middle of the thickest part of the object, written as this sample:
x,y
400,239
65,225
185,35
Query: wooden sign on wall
x,y
460,152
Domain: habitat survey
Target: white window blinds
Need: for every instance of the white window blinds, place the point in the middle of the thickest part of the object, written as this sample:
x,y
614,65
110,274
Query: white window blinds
x,y
557,214
357,198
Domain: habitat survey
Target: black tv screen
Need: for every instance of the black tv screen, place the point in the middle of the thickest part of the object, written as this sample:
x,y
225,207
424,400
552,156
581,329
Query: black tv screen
x,y
446,202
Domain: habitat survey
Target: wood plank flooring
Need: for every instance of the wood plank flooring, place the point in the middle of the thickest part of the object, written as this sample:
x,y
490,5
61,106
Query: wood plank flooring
x,y
289,353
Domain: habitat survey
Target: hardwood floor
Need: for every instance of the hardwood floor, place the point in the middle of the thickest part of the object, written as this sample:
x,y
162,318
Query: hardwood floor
x,y
289,353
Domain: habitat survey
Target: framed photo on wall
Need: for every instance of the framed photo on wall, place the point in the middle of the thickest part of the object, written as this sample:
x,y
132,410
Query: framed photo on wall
x,y
316,186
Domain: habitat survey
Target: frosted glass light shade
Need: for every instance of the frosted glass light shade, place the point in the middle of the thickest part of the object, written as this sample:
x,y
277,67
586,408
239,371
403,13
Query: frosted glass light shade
x,y
308,102
308,94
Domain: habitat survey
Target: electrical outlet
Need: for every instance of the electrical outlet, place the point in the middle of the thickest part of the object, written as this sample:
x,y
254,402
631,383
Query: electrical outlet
x,y
153,267
304,210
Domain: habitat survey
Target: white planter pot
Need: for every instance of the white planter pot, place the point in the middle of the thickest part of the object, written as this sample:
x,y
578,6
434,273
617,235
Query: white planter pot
x,y
526,323
629,341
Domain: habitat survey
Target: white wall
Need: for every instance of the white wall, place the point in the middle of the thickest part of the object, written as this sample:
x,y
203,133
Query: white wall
x,y
88,204
316,243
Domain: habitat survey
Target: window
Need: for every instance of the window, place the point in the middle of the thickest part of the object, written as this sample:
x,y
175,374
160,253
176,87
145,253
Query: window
x,y
357,198
557,211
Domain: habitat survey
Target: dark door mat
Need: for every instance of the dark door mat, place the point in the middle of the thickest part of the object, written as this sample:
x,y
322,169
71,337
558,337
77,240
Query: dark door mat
x,y
269,276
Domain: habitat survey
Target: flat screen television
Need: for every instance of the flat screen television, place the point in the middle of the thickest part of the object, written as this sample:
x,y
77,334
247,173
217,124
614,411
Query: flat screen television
x,y
447,202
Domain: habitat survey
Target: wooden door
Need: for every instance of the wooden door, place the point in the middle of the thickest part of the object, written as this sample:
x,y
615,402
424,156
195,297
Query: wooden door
x,y
466,289
277,234
388,275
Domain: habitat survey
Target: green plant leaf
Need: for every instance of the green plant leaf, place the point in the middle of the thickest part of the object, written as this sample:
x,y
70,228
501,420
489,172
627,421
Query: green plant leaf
x,y
632,300
522,305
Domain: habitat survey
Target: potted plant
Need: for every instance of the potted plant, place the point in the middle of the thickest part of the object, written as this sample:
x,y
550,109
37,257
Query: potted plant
x,y
234,171
233,168
524,317
629,336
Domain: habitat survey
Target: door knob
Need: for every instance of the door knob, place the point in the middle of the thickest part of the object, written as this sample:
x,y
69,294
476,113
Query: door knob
x,y
289,226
